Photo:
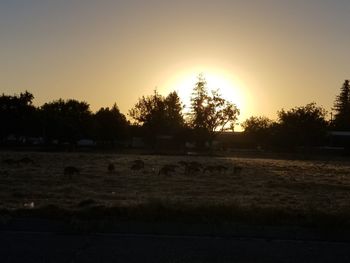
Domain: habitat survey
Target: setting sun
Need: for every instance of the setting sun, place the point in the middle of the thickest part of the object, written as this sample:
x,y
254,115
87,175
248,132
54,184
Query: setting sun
x,y
230,87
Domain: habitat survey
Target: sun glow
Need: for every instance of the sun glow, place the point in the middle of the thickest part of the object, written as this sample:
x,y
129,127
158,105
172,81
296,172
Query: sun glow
x,y
230,87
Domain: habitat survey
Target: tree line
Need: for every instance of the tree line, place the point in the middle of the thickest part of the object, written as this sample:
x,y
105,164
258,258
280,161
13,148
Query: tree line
x,y
59,120
66,121
303,126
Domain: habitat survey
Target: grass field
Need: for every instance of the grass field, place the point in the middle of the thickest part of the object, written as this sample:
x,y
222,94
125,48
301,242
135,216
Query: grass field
x,y
293,188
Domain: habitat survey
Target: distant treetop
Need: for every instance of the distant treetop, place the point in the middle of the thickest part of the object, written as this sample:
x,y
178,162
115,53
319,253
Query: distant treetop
x,y
342,108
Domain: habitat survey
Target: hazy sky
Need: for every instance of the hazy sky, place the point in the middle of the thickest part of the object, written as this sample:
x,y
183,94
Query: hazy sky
x,y
266,54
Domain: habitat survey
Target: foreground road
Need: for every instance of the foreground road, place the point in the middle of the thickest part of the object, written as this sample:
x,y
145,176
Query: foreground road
x,y
52,247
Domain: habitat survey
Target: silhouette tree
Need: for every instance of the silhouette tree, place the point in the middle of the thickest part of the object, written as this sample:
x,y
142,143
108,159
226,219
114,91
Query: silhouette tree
x,y
342,108
18,116
26,98
210,113
173,111
158,115
302,126
258,129
110,124
67,120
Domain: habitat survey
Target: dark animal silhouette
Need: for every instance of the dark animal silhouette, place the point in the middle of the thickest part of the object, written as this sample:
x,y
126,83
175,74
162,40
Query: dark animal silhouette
x,y
183,163
111,167
70,171
215,168
193,167
137,165
167,169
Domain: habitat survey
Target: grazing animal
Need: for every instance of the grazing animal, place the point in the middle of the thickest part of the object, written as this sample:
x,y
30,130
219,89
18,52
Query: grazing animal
x,y
137,165
168,168
71,170
215,168
111,167
193,167
183,163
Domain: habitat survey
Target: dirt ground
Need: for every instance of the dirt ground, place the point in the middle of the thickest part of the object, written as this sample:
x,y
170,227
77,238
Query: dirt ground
x,y
30,180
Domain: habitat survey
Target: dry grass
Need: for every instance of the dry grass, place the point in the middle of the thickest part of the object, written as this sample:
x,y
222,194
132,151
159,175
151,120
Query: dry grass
x,y
308,187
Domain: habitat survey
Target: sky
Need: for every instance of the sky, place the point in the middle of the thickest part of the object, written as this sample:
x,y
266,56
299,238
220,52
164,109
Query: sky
x,y
263,55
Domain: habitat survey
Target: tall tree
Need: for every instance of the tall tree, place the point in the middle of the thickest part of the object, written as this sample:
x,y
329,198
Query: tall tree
x,y
173,111
68,120
199,101
342,108
302,126
18,116
210,113
258,129
110,124
158,114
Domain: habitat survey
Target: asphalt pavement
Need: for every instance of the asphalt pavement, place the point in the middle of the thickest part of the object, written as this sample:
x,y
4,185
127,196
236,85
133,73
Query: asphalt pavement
x,y
41,246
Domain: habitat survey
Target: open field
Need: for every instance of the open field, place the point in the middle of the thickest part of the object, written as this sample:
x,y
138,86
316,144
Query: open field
x,y
218,187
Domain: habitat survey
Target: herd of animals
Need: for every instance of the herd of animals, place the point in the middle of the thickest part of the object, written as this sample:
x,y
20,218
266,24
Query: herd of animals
x,y
189,167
